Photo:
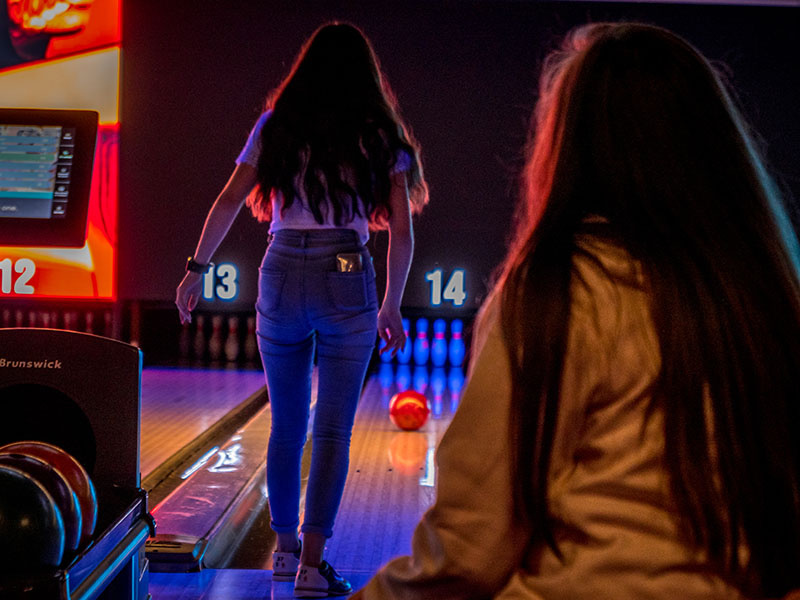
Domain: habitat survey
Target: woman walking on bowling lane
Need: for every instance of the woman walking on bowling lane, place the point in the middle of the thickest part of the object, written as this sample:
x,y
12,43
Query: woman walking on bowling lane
x,y
328,159
640,356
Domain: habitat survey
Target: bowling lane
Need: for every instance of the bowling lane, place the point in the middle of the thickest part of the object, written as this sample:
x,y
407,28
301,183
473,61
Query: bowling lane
x,y
178,405
392,478
392,481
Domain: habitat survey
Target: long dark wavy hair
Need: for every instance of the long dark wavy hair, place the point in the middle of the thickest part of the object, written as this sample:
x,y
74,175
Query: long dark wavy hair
x,y
335,133
634,125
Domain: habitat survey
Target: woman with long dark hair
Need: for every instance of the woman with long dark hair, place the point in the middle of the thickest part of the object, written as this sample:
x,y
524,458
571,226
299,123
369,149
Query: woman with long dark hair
x,y
631,425
328,159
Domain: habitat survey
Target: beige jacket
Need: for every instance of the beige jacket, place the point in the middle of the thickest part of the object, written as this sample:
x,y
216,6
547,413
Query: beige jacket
x,y
608,491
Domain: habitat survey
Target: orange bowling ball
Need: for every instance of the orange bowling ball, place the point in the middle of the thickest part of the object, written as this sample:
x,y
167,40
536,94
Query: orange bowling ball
x,y
409,410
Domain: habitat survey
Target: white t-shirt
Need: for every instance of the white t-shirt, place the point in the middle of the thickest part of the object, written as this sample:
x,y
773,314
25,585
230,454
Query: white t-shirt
x,y
299,215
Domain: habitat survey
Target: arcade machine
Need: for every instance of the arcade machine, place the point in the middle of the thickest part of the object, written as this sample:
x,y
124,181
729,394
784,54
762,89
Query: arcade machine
x,y
76,391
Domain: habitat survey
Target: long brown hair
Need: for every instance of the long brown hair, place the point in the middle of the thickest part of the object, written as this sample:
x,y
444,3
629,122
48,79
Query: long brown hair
x,y
335,113
634,125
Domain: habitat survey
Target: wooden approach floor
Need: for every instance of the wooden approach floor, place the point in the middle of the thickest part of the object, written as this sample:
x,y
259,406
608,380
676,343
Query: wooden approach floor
x,y
391,482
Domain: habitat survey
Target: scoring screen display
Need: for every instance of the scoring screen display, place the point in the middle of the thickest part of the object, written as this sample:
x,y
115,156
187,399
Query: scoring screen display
x,y
35,170
46,164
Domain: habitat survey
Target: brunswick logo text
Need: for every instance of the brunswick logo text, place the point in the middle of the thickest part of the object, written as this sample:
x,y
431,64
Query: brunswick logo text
x,y
5,363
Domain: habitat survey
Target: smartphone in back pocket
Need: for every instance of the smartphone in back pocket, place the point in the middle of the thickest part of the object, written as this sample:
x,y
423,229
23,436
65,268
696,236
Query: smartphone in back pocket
x,y
349,262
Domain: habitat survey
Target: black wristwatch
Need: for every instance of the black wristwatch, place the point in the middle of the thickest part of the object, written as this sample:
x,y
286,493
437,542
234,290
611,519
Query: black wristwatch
x,y
196,267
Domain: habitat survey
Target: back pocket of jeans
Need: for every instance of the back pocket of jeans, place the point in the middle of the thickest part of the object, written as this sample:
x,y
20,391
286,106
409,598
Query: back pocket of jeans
x,y
348,291
270,286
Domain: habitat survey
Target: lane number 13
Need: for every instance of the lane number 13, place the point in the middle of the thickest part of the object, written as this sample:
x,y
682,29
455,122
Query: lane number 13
x,y
221,282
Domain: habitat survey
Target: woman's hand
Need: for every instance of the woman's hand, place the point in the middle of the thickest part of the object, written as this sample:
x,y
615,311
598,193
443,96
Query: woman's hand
x,y
188,295
390,329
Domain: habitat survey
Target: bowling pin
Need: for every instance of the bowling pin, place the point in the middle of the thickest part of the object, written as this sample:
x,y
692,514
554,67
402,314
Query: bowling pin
x,y
199,338
19,318
108,324
439,343
54,319
403,378
215,341
421,345
89,322
404,355
250,342
386,357
421,378
456,348
69,320
438,381
232,341
6,317
44,319
386,380
455,381
437,407
32,319
438,386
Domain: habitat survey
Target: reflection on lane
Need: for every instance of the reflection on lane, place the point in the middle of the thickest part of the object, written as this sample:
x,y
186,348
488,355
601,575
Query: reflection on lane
x,y
412,452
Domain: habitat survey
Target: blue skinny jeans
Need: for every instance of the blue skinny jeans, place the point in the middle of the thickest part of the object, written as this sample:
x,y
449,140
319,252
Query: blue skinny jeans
x,y
304,302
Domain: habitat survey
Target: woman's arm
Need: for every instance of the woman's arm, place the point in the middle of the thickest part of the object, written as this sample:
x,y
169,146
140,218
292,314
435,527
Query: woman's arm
x,y
218,222
401,249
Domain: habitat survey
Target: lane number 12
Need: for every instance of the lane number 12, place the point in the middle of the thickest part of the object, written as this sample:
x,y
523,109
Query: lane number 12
x,y
25,267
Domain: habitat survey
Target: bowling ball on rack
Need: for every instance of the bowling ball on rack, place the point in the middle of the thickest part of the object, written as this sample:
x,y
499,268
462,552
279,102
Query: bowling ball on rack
x,y
58,487
72,470
31,528
409,410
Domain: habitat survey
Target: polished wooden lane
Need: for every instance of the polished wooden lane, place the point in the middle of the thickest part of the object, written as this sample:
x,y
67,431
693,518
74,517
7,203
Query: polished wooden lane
x,y
391,483
178,405
392,474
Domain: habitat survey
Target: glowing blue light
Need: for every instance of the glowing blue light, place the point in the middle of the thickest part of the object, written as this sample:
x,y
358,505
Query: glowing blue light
x,y
429,478
227,460
199,464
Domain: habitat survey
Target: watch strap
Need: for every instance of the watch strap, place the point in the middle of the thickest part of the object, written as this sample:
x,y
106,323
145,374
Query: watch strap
x,y
196,267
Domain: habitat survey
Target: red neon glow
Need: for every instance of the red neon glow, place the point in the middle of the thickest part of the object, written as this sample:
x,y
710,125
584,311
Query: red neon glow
x,y
48,16
87,272
73,31
103,29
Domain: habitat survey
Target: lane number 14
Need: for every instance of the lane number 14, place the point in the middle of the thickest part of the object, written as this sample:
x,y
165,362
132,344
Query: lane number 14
x,y
453,291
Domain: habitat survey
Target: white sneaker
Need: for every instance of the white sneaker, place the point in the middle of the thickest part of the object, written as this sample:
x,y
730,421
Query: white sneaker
x,y
284,565
319,582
